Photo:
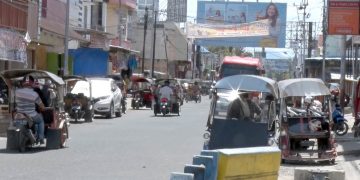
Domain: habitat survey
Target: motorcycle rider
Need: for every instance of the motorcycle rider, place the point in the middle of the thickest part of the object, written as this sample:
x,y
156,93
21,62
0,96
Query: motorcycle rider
x,y
166,92
26,99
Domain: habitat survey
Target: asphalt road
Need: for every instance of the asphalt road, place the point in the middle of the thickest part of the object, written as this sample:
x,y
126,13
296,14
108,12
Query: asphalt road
x,y
137,146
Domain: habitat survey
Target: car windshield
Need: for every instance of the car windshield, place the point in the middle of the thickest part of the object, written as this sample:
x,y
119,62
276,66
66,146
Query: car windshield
x,y
233,69
81,87
100,88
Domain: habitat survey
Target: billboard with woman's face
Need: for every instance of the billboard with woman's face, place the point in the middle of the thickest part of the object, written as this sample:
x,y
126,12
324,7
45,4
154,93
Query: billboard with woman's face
x,y
227,13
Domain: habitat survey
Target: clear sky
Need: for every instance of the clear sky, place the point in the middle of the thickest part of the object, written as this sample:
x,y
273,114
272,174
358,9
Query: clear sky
x,y
314,8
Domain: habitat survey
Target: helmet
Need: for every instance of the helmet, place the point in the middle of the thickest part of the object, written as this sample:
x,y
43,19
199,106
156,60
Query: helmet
x,y
308,99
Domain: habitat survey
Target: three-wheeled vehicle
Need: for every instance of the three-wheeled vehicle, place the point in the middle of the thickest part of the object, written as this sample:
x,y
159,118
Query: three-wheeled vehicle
x,y
305,127
242,113
163,105
20,134
142,95
78,99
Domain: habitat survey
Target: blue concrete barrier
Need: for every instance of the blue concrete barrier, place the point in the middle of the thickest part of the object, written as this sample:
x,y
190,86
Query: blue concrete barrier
x,y
197,170
181,176
210,166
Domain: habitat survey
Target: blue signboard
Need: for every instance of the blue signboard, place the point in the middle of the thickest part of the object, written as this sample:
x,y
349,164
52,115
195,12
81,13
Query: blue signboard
x,y
210,12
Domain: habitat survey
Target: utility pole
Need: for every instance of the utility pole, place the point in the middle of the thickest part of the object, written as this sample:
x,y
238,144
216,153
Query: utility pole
x,y
303,6
66,49
324,41
154,43
342,70
145,28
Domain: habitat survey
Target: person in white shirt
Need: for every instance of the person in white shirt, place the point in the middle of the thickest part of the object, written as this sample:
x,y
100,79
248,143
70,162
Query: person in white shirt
x,y
166,91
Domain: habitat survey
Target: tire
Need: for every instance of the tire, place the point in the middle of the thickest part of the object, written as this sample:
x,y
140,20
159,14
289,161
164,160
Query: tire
x,y
111,113
64,135
89,116
341,128
118,113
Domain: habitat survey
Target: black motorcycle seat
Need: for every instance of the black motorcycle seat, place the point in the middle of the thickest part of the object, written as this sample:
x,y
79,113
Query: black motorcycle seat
x,y
48,115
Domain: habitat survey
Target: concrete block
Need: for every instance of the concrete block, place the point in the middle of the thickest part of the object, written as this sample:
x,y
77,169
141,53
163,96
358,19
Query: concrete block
x,y
181,176
249,163
312,173
215,155
209,163
197,170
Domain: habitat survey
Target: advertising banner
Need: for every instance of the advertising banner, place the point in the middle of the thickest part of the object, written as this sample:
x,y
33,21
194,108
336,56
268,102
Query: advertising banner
x,y
12,46
257,28
271,16
344,17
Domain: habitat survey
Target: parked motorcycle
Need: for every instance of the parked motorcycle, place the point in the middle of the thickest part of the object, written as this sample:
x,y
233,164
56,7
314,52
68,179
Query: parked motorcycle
x,y
340,126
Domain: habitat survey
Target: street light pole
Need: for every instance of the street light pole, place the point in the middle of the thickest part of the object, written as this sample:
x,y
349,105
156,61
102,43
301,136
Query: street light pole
x,y
66,48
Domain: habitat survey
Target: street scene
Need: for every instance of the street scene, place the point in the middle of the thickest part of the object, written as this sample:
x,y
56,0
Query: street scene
x,y
179,89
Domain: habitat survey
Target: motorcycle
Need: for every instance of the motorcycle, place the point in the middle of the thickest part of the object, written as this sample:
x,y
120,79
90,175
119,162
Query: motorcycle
x,y
76,111
26,128
164,106
340,126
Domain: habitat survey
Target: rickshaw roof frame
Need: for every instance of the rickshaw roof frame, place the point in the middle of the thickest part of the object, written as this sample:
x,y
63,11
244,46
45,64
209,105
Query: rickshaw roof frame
x,y
249,83
302,87
37,74
74,77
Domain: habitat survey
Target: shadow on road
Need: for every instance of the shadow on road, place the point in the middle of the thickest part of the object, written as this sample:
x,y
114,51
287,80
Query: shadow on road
x,y
32,150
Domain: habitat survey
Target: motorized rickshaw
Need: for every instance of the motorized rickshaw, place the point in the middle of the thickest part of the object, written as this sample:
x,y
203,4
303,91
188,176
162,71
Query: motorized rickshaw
x,y
142,94
305,126
193,92
20,134
242,113
78,99
162,105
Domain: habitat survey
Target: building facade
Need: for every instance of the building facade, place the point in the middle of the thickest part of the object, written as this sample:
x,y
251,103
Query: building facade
x,y
177,10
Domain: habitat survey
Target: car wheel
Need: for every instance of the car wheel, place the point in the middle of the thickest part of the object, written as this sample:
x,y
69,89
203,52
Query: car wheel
x,y
111,112
118,112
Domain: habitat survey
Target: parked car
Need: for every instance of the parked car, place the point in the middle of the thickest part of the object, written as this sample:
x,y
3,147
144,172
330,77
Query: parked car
x,y
107,97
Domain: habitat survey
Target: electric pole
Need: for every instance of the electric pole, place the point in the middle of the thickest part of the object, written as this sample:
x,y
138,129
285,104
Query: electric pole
x,y
303,6
154,43
324,41
145,28
66,48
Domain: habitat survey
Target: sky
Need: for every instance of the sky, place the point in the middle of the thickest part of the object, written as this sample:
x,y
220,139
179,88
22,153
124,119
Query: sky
x,y
314,8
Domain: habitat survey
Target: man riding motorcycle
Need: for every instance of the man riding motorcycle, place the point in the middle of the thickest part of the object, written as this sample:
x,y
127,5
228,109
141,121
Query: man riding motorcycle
x,y
166,92
26,100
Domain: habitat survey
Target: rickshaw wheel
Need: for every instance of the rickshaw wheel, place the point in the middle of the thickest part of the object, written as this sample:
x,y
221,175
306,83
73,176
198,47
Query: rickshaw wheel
x,y
332,161
64,135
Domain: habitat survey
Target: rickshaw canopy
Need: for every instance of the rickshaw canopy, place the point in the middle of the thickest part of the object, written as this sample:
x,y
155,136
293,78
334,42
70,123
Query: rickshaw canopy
x,y
74,77
37,74
302,87
248,83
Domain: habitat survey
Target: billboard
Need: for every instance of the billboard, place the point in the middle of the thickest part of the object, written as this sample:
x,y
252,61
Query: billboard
x,y
344,17
256,28
229,13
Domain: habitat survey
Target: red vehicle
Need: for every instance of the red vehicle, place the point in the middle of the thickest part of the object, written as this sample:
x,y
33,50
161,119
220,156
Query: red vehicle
x,y
235,65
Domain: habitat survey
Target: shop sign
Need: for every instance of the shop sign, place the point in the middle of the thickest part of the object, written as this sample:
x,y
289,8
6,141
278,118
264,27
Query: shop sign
x,y
12,46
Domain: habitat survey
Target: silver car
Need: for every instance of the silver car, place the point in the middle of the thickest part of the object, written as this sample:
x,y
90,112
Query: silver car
x,y
107,97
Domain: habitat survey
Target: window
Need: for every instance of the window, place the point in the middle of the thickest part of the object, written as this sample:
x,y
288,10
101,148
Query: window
x,y
43,8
